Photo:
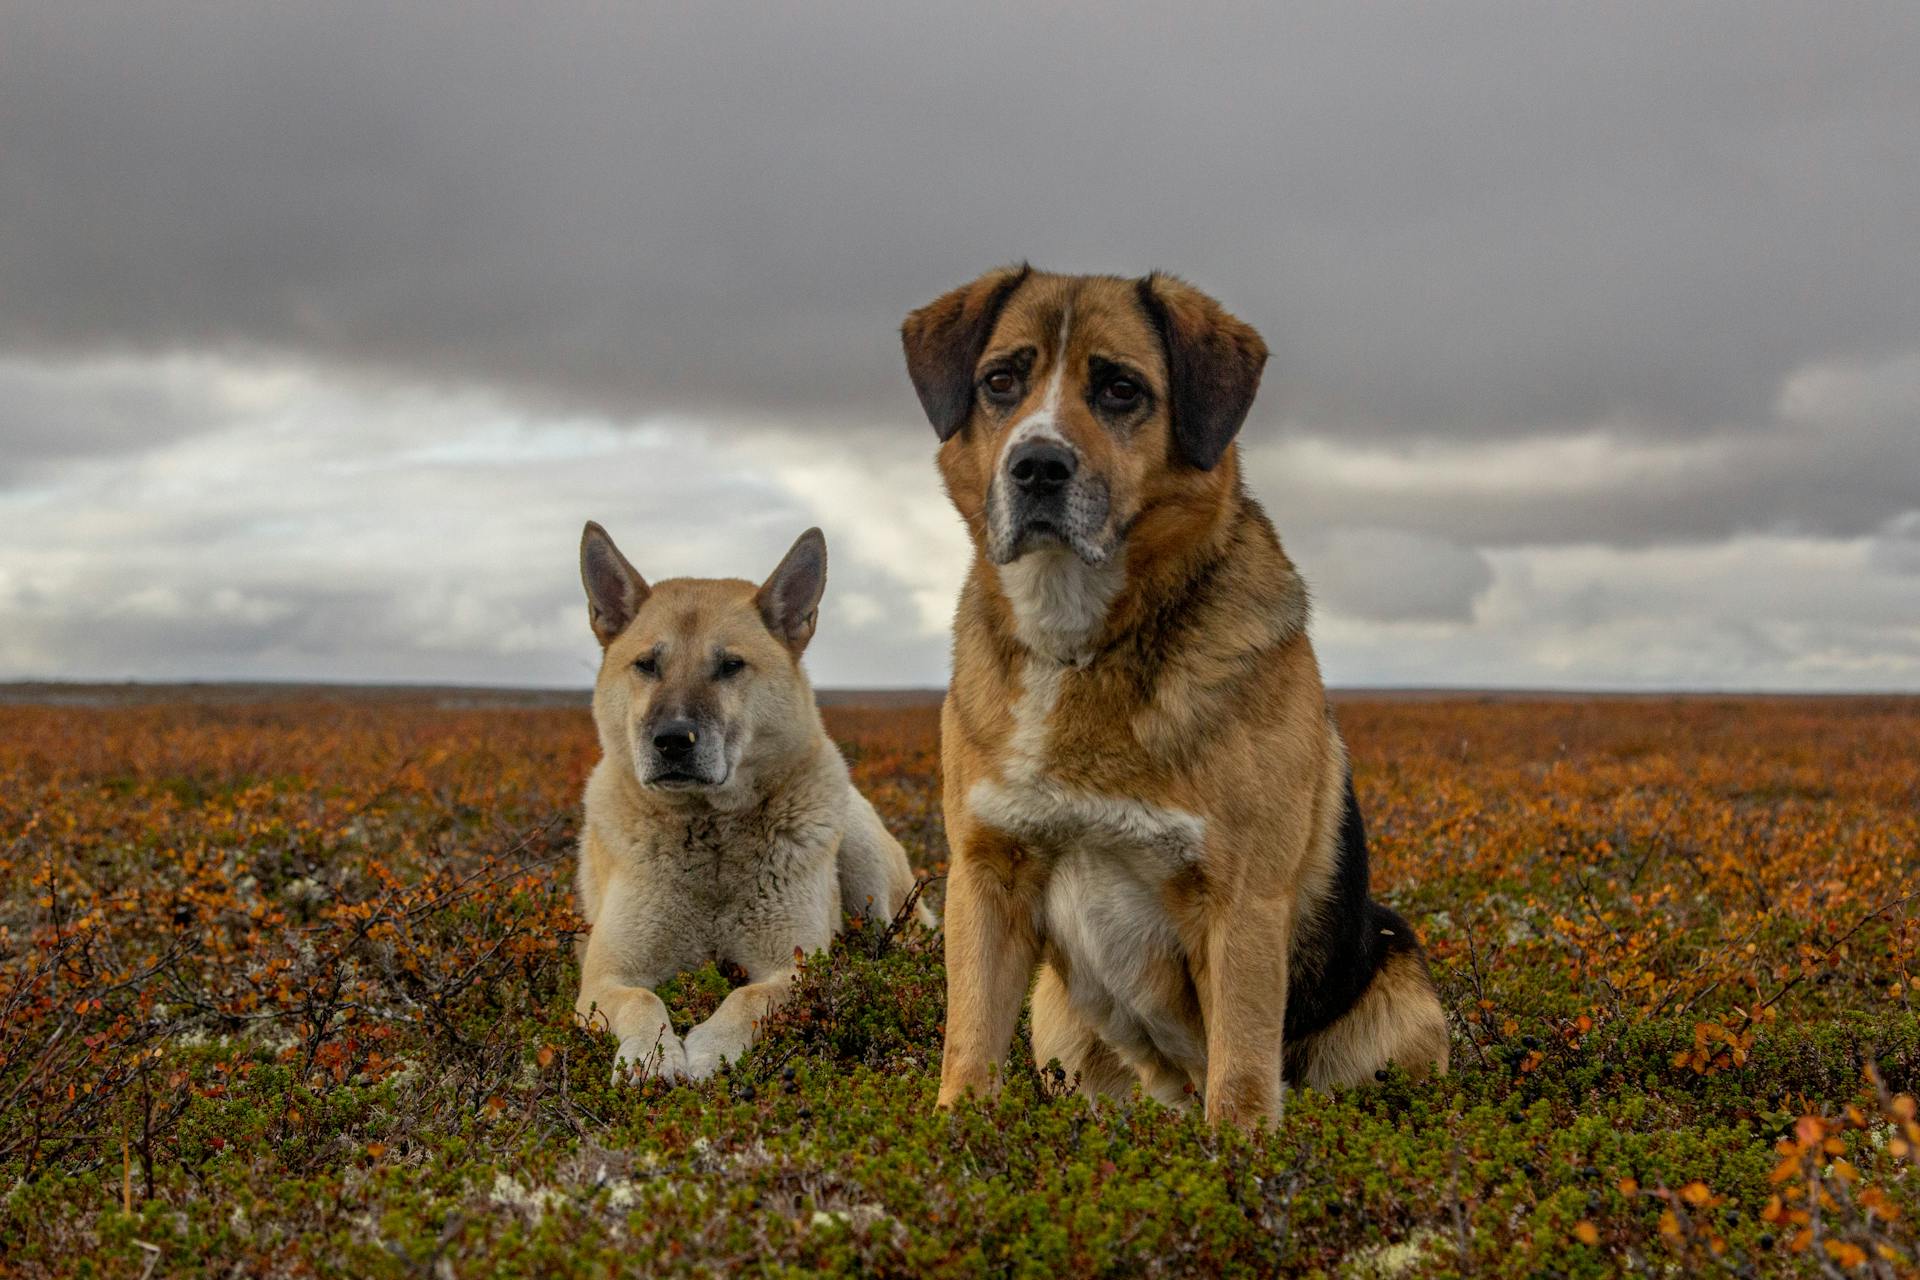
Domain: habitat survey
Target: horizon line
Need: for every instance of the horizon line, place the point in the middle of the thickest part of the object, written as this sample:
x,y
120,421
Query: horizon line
x,y
29,690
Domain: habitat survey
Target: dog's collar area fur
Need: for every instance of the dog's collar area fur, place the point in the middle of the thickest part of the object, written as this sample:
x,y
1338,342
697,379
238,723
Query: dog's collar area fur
x,y
1060,603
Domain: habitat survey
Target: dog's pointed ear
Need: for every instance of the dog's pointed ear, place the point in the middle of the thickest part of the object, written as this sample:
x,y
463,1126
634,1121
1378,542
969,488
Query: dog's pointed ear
x,y
790,600
944,339
615,589
1213,367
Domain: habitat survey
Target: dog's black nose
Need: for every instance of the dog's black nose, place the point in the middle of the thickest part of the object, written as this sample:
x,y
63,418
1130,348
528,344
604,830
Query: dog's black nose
x,y
674,739
1041,466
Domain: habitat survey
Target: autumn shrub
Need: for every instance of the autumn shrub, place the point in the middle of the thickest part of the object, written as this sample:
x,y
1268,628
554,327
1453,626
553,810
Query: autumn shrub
x,y
286,989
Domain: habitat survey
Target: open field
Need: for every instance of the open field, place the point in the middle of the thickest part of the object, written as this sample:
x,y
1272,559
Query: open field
x,y
286,988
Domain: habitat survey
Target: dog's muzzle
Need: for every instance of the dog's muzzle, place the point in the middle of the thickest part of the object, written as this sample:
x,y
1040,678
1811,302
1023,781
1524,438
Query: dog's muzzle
x,y
1044,497
1041,469
684,753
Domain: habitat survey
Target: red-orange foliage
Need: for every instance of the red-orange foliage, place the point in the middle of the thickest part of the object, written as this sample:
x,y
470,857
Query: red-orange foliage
x,y
352,881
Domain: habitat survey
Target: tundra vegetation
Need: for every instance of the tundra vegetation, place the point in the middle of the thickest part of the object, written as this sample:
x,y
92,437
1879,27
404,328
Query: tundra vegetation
x,y
286,988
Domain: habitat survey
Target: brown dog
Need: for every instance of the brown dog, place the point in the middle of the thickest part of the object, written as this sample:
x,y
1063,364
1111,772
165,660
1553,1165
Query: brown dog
x,y
721,822
1146,795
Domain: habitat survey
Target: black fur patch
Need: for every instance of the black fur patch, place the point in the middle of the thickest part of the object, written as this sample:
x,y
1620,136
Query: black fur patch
x,y
1214,376
1342,944
1145,651
944,345
1149,645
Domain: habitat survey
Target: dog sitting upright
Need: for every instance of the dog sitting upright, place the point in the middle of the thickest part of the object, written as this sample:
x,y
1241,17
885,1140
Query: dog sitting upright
x,y
1147,797
720,823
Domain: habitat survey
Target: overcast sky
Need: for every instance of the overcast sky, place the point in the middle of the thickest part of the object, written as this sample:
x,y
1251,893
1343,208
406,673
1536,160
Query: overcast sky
x,y
1596,329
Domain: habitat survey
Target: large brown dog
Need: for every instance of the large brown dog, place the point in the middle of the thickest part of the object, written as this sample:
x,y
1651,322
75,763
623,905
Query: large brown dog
x,y
1146,794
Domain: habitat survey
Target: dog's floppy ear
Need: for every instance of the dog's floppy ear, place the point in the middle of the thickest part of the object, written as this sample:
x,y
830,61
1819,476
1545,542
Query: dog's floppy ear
x,y
1213,365
615,589
790,600
944,340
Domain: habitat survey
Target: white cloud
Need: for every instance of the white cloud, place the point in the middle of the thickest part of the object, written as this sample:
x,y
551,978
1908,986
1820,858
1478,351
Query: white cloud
x,y
1755,612
333,529
889,503
1897,548
1389,575
1835,455
309,525
1535,468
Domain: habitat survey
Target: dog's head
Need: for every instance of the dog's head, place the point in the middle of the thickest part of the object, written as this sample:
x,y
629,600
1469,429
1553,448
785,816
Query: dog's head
x,y
1070,406
700,679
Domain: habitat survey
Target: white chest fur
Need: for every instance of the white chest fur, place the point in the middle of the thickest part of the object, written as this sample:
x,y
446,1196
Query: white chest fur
x,y
1109,858
1027,802
1126,968
1059,601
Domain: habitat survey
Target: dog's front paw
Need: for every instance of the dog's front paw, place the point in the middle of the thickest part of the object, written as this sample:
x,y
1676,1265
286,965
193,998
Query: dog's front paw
x,y
639,1058
707,1049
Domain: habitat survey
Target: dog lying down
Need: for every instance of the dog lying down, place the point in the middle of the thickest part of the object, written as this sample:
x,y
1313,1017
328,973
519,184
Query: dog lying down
x,y
721,823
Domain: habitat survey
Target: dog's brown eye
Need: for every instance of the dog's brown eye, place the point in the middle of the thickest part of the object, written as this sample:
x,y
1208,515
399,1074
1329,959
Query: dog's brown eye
x,y
729,667
1000,383
647,666
1121,393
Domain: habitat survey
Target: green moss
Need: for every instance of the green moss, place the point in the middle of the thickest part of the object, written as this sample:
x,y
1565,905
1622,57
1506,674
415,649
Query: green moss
x,y
458,1118
822,1152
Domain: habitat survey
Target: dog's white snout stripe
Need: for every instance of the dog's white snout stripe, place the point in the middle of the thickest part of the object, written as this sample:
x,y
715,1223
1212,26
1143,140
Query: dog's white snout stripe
x,y
1044,422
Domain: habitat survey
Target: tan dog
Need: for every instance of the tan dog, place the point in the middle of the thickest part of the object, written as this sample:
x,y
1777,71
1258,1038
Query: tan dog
x,y
720,823
1146,795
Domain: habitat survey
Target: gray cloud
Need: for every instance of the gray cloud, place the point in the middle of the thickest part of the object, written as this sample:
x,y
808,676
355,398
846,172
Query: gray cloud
x,y
1897,549
1471,221
331,529
1596,330
1389,575
1836,453
328,528
1757,612
53,414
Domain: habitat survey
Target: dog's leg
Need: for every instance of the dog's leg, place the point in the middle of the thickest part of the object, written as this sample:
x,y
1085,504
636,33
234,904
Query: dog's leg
x,y
636,1016
732,1029
992,946
1244,1003
624,956
874,875
648,1046
798,918
1060,1034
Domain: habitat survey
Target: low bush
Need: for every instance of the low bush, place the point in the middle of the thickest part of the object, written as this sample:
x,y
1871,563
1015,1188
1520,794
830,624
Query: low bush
x,y
287,989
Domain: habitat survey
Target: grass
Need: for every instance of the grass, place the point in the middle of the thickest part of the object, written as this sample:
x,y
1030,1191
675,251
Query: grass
x,y
286,988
